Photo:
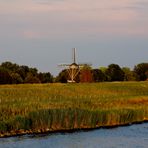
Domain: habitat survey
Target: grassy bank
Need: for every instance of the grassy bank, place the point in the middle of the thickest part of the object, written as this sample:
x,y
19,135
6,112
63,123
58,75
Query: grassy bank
x,y
51,107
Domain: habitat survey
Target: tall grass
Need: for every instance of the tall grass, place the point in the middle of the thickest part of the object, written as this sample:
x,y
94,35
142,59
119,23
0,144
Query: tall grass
x,y
50,107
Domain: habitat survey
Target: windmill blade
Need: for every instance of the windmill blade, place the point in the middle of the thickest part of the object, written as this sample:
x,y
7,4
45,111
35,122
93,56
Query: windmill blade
x,y
63,65
73,69
74,55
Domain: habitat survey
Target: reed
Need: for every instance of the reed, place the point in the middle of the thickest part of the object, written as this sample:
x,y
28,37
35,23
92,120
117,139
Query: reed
x,y
52,107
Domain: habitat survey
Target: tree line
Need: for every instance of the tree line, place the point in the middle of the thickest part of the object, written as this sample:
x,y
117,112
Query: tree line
x,y
109,74
12,73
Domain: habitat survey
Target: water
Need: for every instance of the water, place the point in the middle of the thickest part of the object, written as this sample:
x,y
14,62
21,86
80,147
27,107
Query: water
x,y
135,136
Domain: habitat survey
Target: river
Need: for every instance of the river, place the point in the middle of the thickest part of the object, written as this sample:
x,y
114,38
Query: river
x,y
134,136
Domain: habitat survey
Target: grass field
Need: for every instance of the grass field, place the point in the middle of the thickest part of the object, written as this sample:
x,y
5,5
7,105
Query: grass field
x,y
33,108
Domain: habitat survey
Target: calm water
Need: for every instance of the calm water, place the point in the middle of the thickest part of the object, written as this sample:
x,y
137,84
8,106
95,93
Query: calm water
x,y
135,136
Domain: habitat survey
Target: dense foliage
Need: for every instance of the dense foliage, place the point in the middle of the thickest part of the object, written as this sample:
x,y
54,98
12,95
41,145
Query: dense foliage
x,y
114,73
142,71
11,73
109,74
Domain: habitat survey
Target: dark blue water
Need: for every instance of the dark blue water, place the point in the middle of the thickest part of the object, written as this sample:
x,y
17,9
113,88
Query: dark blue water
x,y
134,136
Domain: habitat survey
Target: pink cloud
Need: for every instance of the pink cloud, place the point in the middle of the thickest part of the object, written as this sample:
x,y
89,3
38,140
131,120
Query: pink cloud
x,y
29,34
58,17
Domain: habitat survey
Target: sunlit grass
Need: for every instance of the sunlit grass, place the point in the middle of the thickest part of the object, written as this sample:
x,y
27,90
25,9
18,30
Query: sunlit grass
x,y
71,106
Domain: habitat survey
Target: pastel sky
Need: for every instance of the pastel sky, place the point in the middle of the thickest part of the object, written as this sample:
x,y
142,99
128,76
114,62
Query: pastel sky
x,y
41,33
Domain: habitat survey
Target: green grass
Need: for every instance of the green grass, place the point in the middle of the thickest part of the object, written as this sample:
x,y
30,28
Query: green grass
x,y
50,107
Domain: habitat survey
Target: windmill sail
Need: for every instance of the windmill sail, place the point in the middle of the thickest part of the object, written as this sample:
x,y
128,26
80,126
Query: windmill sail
x,y
74,55
74,68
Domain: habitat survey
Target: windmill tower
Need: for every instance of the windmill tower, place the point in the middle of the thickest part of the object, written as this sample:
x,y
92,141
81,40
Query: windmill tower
x,y
74,68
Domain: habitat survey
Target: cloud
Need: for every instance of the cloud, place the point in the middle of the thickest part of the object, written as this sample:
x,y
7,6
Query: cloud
x,y
48,1
70,17
29,34
143,3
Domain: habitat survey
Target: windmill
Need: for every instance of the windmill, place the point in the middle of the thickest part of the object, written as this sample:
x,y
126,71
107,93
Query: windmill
x,y
74,68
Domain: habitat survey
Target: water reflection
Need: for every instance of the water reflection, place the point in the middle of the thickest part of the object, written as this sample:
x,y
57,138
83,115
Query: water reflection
x,y
135,136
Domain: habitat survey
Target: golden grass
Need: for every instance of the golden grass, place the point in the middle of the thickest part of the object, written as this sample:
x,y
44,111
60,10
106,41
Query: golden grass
x,y
68,106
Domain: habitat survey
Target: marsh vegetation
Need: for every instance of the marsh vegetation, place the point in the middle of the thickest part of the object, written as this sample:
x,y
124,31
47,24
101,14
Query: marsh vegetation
x,y
35,108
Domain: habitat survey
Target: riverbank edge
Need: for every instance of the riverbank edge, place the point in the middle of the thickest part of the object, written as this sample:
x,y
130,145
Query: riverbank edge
x,y
50,131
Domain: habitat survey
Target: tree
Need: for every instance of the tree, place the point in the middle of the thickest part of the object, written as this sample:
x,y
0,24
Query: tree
x,y
146,75
103,69
23,71
86,74
5,77
128,74
141,71
98,75
10,66
62,77
34,71
22,74
45,77
115,73
31,79
16,78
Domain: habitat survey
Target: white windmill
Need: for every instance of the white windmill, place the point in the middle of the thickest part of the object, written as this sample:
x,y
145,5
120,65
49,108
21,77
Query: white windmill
x,y
74,68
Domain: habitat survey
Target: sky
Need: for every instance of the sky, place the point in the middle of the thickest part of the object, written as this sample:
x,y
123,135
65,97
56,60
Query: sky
x,y
42,33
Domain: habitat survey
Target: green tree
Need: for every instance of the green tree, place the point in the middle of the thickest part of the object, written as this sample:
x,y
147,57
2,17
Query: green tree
x,y
23,74
34,71
115,73
62,77
16,78
23,71
5,77
45,77
10,66
103,69
98,75
128,74
141,71
31,79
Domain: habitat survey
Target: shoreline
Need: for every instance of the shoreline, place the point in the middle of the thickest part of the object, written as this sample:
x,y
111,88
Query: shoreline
x,y
51,131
